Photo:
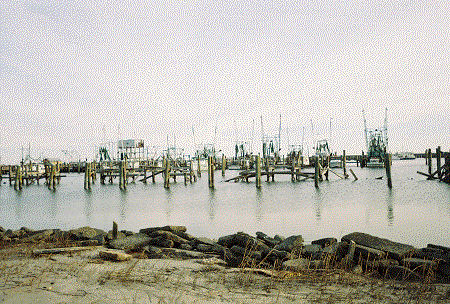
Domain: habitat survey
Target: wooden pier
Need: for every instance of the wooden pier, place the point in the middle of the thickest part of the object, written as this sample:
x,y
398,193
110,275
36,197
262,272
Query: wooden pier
x,y
442,172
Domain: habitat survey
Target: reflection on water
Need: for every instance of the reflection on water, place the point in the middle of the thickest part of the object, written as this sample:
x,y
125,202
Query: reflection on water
x,y
258,205
390,207
212,204
280,207
318,203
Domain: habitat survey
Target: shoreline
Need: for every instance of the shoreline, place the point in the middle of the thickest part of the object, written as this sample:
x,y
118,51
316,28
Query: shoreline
x,y
168,265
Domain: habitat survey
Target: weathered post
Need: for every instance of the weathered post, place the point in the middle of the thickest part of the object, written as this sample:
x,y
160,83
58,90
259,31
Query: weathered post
x,y
430,165
344,163
86,176
426,157
10,175
258,171
114,230
210,172
438,160
316,171
145,174
120,174
199,171
327,163
167,173
224,164
54,178
387,164
125,174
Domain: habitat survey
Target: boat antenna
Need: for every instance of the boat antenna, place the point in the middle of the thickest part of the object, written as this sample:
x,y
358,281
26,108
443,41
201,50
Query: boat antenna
x,y
385,130
303,137
331,118
313,135
279,136
253,134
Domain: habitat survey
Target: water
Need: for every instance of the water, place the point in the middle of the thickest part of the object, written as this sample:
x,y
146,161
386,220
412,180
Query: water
x,y
416,211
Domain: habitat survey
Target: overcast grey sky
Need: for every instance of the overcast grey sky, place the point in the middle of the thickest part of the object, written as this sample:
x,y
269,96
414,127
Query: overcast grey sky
x,y
69,69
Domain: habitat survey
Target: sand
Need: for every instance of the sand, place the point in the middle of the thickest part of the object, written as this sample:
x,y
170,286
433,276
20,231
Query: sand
x,y
83,277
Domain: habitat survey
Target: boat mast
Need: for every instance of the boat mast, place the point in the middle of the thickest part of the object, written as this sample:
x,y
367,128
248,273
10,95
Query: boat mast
x,y
365,131
253,134
279,137
385,130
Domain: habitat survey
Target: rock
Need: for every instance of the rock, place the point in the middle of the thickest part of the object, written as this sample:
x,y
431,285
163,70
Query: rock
x,y
38,236
291,243
114,255
109,235
314,252
100,239
26,229
381,264
2,230
245,252
161,241
4,238
324,242
442,248
401,273
84,233
204,248
87,243
131,243
184,254
226,241
206,241
218,249
279,254
266,239
185,236
165,228
186,246
368,253
126,232
153,252
296,264
394,250
419,265
357,269
169,236
14,234
279,238
330,249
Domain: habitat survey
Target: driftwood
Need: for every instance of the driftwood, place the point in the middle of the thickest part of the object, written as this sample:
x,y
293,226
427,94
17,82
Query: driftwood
x,y
63,250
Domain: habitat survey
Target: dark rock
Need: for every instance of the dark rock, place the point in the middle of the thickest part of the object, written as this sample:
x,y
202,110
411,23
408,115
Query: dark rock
x,y
226,241
165,228
279,238
206,241
185,235
419,265
367,253
330,249
204,248
84,233
2,230
294,242
168,235
186,246
401,273
126,232
131,243
442,248
271,242
14,234
218,249
26,229
314,252
381,264
324,242
162,241
245,252
394,250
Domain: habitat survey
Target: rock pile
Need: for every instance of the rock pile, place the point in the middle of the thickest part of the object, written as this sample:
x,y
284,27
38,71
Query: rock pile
x,y
390,259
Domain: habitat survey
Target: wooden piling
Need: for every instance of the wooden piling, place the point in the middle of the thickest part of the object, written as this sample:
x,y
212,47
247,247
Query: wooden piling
x,y
199,171
316,171
114,230
224,164
210,172
430,165
10,175
387,164
438,160
258,171
344,164
167,173
354,175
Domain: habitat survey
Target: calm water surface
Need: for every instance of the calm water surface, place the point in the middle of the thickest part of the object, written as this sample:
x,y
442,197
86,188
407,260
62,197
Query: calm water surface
x,y
415,211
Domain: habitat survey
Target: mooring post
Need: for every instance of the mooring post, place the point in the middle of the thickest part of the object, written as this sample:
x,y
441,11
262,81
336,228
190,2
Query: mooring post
x,y
426,157
114,230
447,168
387,164
327,160
210,172
258,171
120,175
224,164
430,165
199,171
316,171
54,177
10,174
344,163
438,160
167,173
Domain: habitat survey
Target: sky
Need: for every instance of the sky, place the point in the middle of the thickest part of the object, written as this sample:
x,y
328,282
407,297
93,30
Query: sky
x,y
77,73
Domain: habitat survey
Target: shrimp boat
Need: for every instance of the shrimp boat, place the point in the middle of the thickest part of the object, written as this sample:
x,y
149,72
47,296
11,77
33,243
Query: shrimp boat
x,y
376,144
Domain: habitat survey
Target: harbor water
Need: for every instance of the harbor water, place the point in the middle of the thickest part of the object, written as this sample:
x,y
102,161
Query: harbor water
x,y
415,211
